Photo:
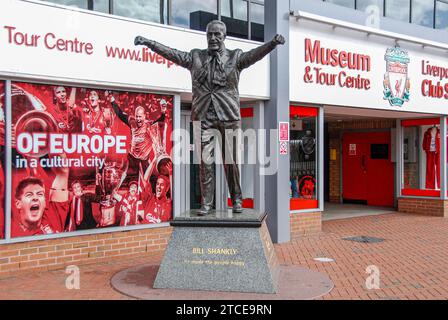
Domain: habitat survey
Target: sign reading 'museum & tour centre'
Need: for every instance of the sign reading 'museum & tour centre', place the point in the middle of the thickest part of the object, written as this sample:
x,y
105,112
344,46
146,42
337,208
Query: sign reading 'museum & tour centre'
x,y
337,66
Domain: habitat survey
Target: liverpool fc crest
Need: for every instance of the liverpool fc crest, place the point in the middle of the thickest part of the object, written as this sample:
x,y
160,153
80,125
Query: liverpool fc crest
x,y
396,81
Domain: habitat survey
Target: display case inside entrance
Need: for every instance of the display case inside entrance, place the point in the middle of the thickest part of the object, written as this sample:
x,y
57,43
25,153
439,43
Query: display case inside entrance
x,y
421,157
303,174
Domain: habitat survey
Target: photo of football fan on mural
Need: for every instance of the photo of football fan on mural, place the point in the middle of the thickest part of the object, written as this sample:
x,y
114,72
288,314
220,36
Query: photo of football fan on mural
x,y
85,159
2,148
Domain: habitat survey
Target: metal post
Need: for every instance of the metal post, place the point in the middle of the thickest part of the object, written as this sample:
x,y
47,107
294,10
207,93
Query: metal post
x,y
321,159
162,11
443,157
399,159
221,189
434,15
277,200
169,13
341,166
259,183
249,19
177,180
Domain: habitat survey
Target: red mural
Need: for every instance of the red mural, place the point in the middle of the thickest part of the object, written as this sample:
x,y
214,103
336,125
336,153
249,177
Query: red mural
x,y
86,159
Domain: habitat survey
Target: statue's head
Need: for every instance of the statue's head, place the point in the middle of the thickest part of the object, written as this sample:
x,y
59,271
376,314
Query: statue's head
x,y
216,34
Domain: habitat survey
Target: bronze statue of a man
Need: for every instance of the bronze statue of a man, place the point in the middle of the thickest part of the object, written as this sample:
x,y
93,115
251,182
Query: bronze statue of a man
x,y
215,74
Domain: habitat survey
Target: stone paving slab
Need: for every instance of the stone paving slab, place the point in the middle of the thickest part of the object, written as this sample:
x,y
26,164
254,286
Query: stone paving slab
x,y
412,263
295,283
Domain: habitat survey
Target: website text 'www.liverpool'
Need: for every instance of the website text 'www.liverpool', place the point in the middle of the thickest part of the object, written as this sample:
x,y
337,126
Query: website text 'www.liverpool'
x,y
143,55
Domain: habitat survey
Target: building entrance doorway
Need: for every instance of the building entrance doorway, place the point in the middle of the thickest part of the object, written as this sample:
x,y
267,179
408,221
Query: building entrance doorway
x,y
367,167
361,153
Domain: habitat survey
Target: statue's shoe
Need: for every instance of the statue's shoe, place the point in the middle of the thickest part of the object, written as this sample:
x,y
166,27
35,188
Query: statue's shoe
x,y
204,211
237,207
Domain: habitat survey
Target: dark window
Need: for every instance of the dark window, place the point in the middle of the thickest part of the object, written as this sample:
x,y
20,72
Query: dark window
x,y
257,12
363,5
379,151
257,21
194,14
75,3
148,10
345,3
423,12
442,15
101,6
234,15
398,10
97,5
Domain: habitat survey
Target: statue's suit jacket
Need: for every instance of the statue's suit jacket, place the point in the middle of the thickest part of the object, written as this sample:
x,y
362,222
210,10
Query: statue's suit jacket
x,y
225,99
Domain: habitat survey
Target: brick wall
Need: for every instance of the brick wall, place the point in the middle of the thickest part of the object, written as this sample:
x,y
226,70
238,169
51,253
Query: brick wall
x,y
56,254
429,207
305,224
335,131
59,253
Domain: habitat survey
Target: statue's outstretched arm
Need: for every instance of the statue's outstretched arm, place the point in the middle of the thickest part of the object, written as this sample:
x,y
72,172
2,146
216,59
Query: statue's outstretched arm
x,y
249,58
180,58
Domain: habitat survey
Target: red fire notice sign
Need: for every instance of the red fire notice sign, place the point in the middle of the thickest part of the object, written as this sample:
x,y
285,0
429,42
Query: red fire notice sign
x,y
284,132
284,148
283,136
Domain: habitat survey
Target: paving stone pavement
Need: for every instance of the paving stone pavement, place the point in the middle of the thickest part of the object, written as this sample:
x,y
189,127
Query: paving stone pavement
x,y
412,263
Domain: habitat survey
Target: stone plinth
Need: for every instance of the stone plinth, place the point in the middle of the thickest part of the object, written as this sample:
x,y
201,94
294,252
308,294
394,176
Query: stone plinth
x,y
220,252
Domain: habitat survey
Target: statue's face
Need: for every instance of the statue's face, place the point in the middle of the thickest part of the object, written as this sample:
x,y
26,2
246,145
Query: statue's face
x,y
215,37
